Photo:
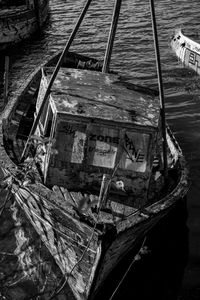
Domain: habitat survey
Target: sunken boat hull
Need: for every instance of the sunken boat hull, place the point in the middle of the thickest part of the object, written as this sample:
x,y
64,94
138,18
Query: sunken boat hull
x,y
87,245
187,51
20,22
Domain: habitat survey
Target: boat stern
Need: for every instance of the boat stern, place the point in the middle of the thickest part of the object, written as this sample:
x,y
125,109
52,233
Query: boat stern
x,y
178,44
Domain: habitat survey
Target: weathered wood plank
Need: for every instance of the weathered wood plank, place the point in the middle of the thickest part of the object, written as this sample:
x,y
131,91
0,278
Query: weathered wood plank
x,y
96,95
74,245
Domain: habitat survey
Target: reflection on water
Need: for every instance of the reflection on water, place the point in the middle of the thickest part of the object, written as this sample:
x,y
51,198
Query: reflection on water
x,y
27,271
22,255
22,250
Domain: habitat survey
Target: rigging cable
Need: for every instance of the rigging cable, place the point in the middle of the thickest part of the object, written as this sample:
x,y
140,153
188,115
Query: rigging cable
x,y
59,63
160,84
136,258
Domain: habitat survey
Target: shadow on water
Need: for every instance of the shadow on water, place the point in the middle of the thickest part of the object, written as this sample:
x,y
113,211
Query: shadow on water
x,y
27,270
159,272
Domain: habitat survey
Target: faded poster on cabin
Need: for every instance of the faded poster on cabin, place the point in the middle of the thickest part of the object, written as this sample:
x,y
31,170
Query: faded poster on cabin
x,y
70,142
102,147
135,152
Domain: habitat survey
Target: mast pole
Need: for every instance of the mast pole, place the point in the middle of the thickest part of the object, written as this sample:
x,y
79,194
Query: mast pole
x,y
67,46
160,84
111,37
6,79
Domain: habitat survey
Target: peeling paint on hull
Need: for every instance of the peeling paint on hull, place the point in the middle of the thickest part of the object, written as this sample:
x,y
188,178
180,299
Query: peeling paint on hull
x,y
19,23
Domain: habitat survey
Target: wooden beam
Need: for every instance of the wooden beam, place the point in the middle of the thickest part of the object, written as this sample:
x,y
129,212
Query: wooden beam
x,y
6,73
160,84
111,36
37,12
68,44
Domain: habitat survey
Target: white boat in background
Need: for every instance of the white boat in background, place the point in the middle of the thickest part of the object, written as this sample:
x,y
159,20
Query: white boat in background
x,y
187,50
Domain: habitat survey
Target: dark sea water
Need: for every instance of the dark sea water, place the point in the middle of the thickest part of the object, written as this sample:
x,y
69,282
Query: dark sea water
x,y
160,273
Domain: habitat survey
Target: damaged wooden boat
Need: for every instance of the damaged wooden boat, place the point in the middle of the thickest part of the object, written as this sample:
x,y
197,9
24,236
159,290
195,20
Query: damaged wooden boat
x,y
88,166
187,50
20,19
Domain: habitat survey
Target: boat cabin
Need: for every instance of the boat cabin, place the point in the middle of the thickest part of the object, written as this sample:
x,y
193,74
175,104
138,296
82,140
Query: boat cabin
x,y
98,125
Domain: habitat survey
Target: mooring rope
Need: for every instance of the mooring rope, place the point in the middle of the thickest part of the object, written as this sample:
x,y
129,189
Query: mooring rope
x,y
136,258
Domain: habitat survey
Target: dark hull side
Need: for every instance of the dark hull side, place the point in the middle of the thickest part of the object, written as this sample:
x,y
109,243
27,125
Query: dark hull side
x,y
19,23
105,250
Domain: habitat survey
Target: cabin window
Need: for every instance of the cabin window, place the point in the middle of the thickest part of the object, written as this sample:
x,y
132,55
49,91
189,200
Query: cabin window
x,y
42,90
97,147
43,115
48,122
70,140
100,146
